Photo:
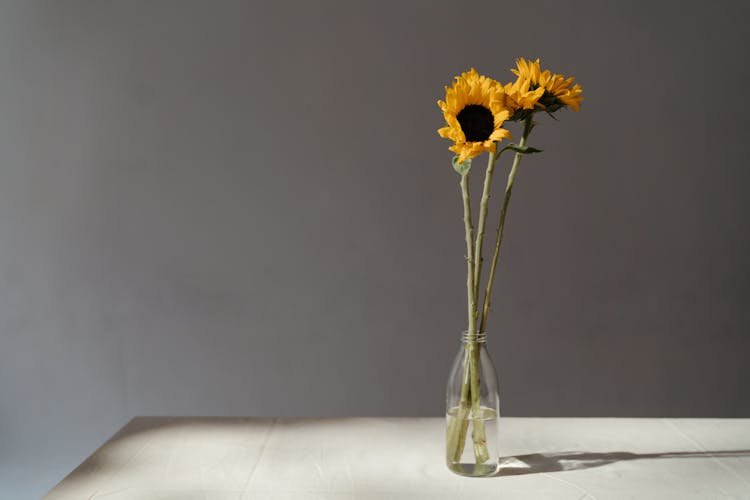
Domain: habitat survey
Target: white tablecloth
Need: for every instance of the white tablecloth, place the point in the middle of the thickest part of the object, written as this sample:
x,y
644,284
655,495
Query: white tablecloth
x,y
393,458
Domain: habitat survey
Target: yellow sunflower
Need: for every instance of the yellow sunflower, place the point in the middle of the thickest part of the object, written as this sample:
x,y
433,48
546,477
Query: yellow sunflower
x,y
474,109
520,96
558,90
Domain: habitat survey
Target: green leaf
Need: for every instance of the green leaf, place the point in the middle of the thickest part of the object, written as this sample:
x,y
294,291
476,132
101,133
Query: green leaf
x,y
461,168
525,150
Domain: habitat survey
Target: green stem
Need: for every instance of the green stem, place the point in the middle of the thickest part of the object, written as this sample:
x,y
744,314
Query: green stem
x,y
527,126
470,386
483,208
460,424
478,435
471,297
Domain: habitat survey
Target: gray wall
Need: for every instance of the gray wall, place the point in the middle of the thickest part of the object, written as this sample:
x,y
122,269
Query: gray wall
x,y
235,208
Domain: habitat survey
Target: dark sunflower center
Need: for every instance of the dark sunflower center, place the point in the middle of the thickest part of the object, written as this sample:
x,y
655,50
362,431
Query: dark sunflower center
x,y
550,102
477,122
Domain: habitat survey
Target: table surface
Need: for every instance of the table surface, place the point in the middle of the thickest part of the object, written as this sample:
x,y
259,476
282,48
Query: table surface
x,y
392,458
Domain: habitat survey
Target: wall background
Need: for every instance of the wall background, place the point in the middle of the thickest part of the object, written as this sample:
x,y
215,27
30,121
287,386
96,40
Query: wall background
x,y
235,208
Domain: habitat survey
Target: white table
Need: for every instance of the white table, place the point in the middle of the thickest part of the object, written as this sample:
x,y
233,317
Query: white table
x,y
392,458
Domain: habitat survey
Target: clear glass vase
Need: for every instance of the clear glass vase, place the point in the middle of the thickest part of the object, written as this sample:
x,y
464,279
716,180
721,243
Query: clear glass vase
x,y
472,410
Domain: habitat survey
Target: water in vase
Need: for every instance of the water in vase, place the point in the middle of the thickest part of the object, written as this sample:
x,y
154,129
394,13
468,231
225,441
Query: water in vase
x,y
466,465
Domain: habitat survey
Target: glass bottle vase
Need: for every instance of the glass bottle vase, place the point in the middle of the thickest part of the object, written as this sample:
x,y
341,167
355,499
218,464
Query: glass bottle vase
x,y
472,410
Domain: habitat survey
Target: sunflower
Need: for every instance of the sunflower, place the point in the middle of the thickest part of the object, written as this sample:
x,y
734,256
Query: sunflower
x,y
520,97
474,109
557,93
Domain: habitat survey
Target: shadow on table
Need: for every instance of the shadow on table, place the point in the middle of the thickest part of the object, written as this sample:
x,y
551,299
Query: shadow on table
x,y
536,463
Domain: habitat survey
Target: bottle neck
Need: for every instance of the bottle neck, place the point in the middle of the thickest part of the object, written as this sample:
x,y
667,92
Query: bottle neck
x,y
479,338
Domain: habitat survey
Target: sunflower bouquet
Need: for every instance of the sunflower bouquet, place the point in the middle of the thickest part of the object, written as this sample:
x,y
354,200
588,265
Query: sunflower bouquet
x,y
476,109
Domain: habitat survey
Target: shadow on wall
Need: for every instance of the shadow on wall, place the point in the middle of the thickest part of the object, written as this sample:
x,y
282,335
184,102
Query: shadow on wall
x,y
536,463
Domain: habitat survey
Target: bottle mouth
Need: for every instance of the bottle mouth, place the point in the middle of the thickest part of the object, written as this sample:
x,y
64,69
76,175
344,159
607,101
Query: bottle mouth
x,y
475,337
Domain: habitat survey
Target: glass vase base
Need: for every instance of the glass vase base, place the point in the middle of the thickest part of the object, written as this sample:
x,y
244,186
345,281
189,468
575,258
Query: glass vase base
x,y
462,432
473,470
